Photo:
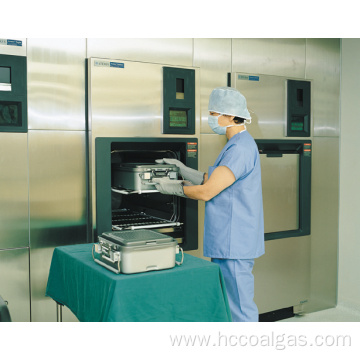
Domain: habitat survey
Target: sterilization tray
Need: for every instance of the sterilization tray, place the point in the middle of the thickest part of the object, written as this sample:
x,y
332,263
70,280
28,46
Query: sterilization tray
x,y
138,177
135,251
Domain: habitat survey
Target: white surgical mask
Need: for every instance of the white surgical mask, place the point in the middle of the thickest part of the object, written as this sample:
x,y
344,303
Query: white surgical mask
x,y
221,130
214,124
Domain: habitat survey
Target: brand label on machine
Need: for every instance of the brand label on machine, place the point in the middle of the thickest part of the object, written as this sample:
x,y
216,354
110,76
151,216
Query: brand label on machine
x,y
109,64
10,42
117,65
249,77
191,149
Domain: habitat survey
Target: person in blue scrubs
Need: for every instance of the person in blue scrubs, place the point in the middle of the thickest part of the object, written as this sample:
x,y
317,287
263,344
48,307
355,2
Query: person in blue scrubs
x,y
234,223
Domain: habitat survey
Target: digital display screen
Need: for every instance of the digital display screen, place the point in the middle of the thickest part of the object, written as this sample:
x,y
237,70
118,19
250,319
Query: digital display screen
x,y
178,118
10,114
5,77
297,126
297,123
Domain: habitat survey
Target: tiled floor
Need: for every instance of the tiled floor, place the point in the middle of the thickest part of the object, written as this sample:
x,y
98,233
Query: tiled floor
x,y
340,313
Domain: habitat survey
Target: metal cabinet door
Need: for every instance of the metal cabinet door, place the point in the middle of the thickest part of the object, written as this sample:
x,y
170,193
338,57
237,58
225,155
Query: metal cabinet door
x,y
14,213
280,184
57,170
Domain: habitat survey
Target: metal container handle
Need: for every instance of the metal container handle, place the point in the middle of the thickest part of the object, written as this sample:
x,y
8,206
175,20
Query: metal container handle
x,y
118,255
154,173
160,172
182,256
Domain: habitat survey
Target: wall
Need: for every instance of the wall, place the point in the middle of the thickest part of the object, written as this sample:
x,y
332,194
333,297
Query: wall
x,y
349,244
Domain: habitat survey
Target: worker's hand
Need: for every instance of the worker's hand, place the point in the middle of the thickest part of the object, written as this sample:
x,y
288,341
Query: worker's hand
x,y
169,187
194,176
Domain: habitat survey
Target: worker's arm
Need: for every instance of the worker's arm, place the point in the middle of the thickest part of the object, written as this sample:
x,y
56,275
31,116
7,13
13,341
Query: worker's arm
x,y
221,178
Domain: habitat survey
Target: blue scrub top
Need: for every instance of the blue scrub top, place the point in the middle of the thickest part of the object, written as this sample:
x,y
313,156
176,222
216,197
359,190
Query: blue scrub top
x,y
234,221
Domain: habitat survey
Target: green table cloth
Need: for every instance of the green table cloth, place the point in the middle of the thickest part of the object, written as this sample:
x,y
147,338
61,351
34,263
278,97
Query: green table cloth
x,y
193,291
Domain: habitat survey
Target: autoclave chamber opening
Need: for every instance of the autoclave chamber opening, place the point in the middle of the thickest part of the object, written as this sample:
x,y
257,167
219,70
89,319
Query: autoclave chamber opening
x,y
139,206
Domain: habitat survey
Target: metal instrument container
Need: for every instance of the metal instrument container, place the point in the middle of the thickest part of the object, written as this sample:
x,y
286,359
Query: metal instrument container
x,y
138,177
136,251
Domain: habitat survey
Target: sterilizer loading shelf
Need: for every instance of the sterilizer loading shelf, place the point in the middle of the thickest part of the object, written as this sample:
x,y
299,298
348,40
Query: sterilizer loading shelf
x,y
131,220
128,192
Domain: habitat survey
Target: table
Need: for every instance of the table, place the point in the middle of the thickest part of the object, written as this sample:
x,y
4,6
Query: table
x,y
193,291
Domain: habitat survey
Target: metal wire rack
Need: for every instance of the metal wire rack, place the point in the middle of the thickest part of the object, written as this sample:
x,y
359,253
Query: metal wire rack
x,y
125,219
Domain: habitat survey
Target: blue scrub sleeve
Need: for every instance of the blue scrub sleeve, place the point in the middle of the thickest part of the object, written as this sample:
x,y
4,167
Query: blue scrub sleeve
x,y
237,161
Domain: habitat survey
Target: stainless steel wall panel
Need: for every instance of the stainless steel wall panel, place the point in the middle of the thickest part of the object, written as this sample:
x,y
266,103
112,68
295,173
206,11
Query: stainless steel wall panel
x,y
324,222
14,282
323,66
58,213
282,275
161,51
283,57
14,212
213,56
13,49
56,84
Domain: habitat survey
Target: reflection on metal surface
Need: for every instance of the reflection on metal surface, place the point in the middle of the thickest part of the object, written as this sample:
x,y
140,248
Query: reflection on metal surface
x,y
14,282
57,204
56,84
14,216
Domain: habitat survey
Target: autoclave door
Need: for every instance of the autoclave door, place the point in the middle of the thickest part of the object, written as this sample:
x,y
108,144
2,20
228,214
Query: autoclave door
x,y
280,183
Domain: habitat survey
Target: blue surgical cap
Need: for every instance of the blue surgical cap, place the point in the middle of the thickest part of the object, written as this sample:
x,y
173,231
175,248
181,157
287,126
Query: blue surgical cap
x,y
228,101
